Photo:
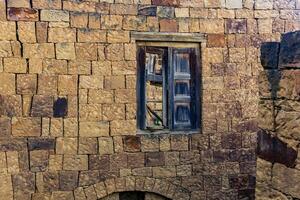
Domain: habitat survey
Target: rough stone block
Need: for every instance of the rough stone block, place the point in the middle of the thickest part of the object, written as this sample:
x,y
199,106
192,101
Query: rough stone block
x,y
67,85
5,49
123,127
18,4
136,160
236,26
105,145
10,105
237,54
214,3
97,162
41,50
80,6
216,40
5,127
46,4
154,159
289,53
79,20
118,37
41,32
101,96
23,184
26,127
59,35
93,129
68,180
26,83
51,181
54,15
132,143
115,52
47,85
264,4
63,195
79,67
23,14
90,112
165,2
15,65
67,146
168,25
150,143
39,160
118,161
111,22
94,82
165,12
7,31
86,51
42,106
164,172
7,85
91,35
234,4
88,146
26,32
75,162
54,67
215,26
125,96
65,51
113,111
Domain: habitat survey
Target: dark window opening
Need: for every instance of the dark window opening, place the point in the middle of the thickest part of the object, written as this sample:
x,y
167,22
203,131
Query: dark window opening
x,y
132,196
168,88
60,107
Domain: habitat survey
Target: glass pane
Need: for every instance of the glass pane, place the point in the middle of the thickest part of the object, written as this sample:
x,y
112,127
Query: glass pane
x,y
182,87
154,64
182,113
154,92
182,63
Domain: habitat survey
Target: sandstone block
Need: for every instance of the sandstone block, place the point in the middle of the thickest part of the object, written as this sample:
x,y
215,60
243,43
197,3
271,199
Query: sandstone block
x,y
165,12
65,51
7,85
42,106
168,25
53,66
214,3
91,82
93,129
91,35
114,82
97,162
12,162
59,35
121,9
26,83
68,180
105,145
26,31
88,146
6,189
125,96
237,54
56,127
234,4
67,146
180,142
164,172
90,112
19,4
79,67
10,105
80,6
165,2
123,127
164,143
265,26
47,85
264,4
132,143
79,20
25,127
101,96
236,26
118,161
94,21
39,160
118,37
212,26
46,4
86,51
63,195
15,65
41,50
5,128
150,143
23,14
115,52
41,32
111,22
67,85
113,111
7,31
216,40
101,68
154,159
54,15
5,49
75,162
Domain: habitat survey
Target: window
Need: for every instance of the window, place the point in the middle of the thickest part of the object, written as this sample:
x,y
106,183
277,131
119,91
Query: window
x,y
168,87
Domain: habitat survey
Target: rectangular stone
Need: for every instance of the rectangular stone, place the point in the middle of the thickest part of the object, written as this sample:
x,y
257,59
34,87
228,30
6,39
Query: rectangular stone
x,y
54,15
67,146
79,20
7,83
111,22
39,160
6,189
59,35
105,145
10,105
26,126
123,127
42,106
75,162
92,82
88,145
7,31
91,35
234,4
41,50
86,51
46,4
79,67
164,172
23,14
93,129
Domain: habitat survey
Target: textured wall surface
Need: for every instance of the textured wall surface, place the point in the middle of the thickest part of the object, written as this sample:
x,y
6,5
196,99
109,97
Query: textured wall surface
x,y
278,166
68,98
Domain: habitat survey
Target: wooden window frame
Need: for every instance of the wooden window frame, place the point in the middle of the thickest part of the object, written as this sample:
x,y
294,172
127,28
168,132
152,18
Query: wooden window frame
x,y
195,85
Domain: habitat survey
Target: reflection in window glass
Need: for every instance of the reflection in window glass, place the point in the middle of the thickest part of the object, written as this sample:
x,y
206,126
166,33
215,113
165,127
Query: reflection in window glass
x,y
182,63
182,113
182,88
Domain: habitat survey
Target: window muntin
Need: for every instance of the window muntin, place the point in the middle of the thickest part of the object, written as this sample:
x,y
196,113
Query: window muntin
x,y
168,88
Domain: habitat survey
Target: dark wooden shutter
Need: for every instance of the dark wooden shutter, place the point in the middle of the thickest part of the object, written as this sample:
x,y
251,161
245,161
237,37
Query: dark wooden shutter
x,y
141,88
184,88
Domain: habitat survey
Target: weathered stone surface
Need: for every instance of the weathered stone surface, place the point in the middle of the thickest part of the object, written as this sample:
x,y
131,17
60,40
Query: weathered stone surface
x,y
147,10
75,162
168,25
26,84
41,32
65,51
54,15
154,159
164,172
10,105
40,50
286,180
269,55
123,127
118,161
93,129
86,51
62,35
105,145
68,180
132,143
7,85
26,126
46,4
39,160
23,184
22,14
165,2
42,106
97,162
8,31
236,26
90,35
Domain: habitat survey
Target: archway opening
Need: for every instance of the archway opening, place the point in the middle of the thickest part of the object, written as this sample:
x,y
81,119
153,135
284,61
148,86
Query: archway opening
x,y
134,195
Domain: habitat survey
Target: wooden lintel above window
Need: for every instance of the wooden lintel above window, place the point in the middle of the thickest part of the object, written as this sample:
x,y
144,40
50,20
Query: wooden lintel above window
x,y
168,37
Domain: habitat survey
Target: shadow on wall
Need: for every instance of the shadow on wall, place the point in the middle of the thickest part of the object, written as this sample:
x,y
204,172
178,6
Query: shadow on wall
x,y
273,55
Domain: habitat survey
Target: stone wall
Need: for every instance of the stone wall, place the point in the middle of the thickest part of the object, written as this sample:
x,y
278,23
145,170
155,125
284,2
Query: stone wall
x,y
278,167
68,98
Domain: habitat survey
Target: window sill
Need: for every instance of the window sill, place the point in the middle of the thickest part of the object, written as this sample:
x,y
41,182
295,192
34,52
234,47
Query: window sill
x,y
161,132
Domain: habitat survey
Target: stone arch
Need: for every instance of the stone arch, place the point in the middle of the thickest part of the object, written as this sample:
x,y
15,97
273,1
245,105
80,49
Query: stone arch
x,y
126,184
